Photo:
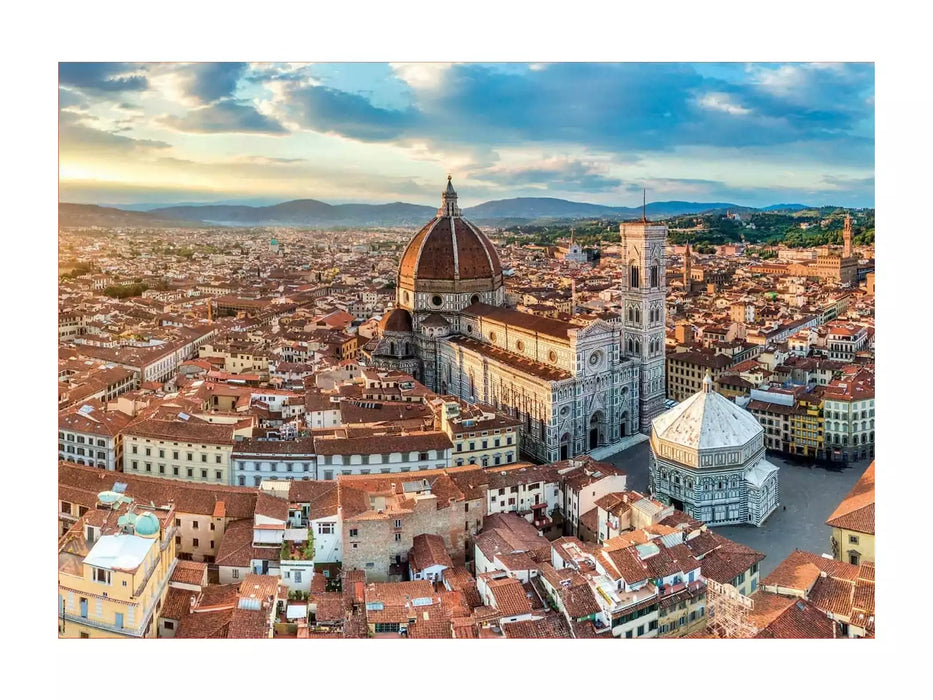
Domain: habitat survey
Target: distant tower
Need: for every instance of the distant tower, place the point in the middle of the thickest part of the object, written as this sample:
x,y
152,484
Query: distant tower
x,y
210,311
644,294
847,238
688,266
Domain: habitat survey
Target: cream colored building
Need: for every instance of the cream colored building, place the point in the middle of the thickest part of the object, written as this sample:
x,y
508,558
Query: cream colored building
x,y
184,449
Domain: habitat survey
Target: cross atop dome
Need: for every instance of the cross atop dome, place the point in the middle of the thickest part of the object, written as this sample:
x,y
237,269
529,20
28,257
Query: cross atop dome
x,y
449,201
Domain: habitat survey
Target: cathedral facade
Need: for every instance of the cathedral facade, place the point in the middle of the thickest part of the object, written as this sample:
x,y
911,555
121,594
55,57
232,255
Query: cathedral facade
x,y
575,388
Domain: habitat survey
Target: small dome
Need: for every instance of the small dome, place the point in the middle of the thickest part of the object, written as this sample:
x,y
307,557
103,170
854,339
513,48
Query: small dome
x,y
397,320
108,497
707,420
435,321
147,525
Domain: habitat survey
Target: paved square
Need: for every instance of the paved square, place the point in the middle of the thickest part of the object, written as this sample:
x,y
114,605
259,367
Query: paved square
x,y
808,496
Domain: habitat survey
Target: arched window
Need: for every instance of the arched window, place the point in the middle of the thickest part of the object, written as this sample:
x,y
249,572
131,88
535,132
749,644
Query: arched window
x,y
391,348
654,275
633,277
637,315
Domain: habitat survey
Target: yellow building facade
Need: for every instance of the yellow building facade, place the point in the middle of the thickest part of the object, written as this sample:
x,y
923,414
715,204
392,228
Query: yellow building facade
x,y
114,565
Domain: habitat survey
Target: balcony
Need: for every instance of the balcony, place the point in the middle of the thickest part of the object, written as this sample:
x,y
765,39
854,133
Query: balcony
x,y
96,624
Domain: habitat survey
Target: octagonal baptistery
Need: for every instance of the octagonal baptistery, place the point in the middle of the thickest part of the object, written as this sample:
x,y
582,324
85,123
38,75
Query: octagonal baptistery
x,y
448,265
708,459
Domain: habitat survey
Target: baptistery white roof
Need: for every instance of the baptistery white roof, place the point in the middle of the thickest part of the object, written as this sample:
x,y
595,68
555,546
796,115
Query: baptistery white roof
x,y
706,420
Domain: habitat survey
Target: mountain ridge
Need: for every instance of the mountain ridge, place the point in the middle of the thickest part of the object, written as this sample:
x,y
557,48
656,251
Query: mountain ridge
x,y
315,213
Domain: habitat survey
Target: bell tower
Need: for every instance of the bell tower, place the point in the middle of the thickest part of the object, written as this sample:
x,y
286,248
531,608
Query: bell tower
x,y
847,238
644,293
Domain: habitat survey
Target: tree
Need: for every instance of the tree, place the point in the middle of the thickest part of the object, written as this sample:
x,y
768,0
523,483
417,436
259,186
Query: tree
x,y
309,546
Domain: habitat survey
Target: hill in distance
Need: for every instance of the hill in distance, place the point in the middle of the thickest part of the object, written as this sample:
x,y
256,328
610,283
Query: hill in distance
x,y
92,215
316,214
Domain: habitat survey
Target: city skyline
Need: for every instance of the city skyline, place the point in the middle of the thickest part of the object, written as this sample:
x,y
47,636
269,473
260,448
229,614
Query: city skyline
x,y
750,134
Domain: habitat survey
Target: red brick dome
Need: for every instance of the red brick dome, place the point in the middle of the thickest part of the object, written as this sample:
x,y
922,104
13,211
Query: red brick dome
x,y
450,254
398,320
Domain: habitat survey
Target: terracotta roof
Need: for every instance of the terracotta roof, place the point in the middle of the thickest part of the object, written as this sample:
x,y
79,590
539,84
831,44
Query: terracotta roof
x,y
428,550
192,572
857,510
177,603
547,627
777,617
321,497
249,624
543,325
205,625
196,499
192,431
509,597
236,547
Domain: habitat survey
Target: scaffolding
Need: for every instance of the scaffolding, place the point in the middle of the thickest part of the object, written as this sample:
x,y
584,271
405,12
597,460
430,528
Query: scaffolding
x,y
727,612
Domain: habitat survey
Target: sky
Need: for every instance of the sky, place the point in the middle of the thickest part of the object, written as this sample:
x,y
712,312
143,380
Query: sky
x,y
750,134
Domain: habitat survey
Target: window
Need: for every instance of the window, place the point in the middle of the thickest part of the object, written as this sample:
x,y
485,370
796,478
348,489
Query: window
x,y
174,471
102,576
204,473
190,472
175,454
190,457
628,634
398,523
398,536
194,524
203,458
326,529
853,539
169,625
194,542
354,532
236,573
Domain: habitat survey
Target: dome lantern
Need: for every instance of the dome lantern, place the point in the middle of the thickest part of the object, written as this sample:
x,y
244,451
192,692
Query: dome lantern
x,y
449,201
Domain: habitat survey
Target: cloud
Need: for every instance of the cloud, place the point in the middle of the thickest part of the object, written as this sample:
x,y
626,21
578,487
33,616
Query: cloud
x,y
209,82
328,110
721,102
69,98
103,77
607,108
224,116
78,140
421,76
561,174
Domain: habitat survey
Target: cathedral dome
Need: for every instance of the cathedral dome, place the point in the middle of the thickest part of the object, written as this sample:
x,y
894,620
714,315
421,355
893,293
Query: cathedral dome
x,y
398,320
450,254
707,421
